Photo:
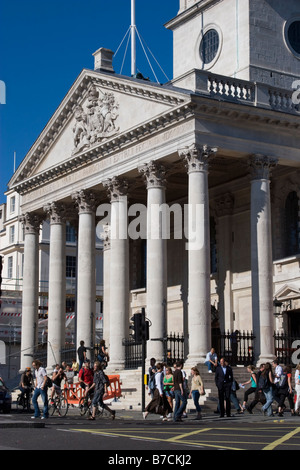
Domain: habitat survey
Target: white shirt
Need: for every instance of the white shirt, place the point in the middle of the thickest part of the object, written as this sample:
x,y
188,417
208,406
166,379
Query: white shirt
x,y
211,357
40,375
159,382
278,373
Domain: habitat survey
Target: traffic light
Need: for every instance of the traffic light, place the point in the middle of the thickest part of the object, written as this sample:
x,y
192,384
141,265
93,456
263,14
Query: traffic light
x,y
140,327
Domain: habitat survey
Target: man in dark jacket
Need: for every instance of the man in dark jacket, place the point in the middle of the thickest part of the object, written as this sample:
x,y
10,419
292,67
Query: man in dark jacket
x,y
224,379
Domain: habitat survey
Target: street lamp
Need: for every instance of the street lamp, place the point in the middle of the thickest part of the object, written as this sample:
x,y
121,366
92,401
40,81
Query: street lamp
x,y
277,307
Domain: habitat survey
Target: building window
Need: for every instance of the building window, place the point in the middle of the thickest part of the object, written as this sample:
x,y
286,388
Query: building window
x,y
293,34
12,204
70,233
10,267
71,266
209,46
292,232
12,234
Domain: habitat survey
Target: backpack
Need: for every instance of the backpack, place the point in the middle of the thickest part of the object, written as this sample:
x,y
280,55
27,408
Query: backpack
x,y
152,385
48,383
283,383
262,382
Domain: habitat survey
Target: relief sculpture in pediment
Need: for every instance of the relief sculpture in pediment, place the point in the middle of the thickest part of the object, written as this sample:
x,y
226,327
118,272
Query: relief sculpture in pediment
x,y
97,122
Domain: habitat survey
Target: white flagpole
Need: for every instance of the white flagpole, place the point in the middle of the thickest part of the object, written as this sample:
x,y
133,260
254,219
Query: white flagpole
x,y
133,39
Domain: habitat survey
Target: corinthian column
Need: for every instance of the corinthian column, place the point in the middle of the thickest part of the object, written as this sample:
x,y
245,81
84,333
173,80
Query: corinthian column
x,y
119,271
197,160
86,278
154,174
30,297
261,257
57,284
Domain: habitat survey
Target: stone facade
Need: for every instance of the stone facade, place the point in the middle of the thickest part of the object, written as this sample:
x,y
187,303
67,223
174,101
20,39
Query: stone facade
x,y
215,150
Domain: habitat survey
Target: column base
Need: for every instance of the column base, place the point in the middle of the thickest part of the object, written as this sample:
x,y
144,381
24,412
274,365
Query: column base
x,y
265,358
194,361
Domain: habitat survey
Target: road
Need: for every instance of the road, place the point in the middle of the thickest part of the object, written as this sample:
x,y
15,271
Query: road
x,y
130,434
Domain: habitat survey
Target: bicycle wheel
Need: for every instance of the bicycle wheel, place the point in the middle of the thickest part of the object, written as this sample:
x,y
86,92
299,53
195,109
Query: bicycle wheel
x,y
52,407
84,405
63,407
20,403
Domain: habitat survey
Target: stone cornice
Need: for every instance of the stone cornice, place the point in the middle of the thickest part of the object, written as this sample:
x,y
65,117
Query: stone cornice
x,y
76,95
121,141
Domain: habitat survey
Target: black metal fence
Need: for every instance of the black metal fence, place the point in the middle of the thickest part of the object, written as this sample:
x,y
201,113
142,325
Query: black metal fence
x,y
285,346
236,346
173,351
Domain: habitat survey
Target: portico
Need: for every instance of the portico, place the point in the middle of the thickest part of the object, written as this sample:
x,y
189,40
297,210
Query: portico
x,y
219,148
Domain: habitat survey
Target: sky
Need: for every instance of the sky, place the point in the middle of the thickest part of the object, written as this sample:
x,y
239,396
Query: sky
x,y
45,44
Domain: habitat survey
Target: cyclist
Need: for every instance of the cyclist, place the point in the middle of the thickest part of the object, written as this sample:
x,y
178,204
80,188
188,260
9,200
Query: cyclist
x,y
86,378
57,377
26,386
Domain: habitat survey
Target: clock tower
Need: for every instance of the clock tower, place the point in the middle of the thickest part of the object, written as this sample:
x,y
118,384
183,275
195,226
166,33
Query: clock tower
x,y
256,40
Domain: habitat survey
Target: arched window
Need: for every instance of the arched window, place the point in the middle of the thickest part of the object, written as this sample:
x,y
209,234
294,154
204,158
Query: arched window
x,y
292,231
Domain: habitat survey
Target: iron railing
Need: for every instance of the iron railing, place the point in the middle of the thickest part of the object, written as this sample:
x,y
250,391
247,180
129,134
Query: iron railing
x,y
285,346
236,346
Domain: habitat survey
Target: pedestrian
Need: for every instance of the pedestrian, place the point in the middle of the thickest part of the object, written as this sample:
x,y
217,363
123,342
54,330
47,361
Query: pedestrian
x,y
99,387
103,353
252,381
179,393
234,399
278,371
40,390
81,351
211,361
284,390
197,390
75,367
86,378
169,387
151,376
69,373
159,403
259,394
26,385
297,388
223,380
266,382
234,340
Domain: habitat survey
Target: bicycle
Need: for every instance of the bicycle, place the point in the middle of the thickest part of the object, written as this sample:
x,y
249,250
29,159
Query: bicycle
x,y
59,404
23,401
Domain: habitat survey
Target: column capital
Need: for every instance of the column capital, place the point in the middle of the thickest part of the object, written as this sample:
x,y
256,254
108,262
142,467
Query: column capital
x,y
116,188
56,212
85,201
261,165
197,157
154,174
31,222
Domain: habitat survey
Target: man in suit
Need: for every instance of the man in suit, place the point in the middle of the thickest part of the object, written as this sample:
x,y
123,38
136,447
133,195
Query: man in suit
x,y
224,379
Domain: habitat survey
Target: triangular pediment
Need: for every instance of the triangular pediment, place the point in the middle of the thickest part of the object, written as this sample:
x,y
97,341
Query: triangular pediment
x,y
99,108
288,291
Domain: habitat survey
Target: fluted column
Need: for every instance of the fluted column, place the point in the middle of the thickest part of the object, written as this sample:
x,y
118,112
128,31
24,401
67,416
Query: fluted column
x,y
154,174
261,257
119,271
197,160
29,339
106,284
86,278
57,284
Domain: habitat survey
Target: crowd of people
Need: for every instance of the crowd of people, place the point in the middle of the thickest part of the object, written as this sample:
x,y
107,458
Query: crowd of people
x,y
92,380
169,391
169,388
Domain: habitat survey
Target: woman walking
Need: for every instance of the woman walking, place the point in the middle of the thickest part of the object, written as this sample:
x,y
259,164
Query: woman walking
x,y
159,403
253,382
197,389
168,386
266,384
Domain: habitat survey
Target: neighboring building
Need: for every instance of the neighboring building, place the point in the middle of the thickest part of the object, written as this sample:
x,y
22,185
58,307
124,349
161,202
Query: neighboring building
x,y
12,252
220,141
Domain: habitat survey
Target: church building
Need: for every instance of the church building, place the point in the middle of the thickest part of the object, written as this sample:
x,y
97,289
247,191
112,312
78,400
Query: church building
x,y
214,158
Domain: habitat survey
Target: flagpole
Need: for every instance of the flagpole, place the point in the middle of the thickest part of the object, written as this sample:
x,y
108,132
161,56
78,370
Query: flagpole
x,y
133,39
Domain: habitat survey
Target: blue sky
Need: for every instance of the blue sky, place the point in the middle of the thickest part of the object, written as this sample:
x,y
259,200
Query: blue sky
x,y
46,43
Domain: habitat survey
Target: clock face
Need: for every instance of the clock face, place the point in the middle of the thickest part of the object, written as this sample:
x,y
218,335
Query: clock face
x,y
209,46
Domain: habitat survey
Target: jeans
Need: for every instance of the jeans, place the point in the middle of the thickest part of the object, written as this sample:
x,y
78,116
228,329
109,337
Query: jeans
x,y
196,396
179,408
37,392
209,365
269,400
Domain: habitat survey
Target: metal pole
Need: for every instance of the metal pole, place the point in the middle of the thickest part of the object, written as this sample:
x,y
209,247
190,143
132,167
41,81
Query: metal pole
x,y
133,39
